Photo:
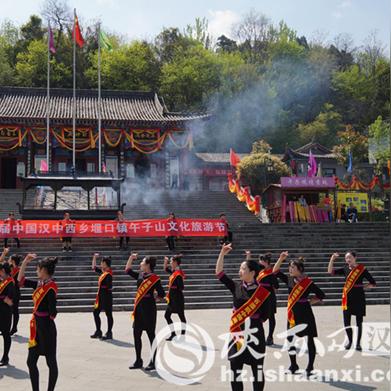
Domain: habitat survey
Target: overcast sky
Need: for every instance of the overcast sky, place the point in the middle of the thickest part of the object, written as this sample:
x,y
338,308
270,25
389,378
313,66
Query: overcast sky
x,y
146,18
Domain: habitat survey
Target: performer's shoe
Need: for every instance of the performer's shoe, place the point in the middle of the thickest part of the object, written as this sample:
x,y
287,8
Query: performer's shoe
x,y
359,348
136,365
108,335
97,334
293,368
13,331
269,341
348,345
309,371
4,362
171,337
150,367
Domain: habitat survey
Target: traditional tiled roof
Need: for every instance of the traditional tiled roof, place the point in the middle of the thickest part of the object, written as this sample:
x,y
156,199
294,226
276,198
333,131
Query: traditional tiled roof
x,y
217,157
318,151
223,158
133,107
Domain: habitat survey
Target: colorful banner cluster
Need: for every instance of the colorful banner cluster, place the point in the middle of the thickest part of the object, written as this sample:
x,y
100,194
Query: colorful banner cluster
x,y
111,228
143,140
243,195
11,137
356,184
305,214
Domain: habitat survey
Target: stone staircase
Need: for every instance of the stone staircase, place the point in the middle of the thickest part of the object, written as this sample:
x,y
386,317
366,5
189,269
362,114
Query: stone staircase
x,y
78,284
316,242
8,200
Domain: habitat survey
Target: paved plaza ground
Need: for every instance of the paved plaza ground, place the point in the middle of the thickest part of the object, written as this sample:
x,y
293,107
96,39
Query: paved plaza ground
x,y
87,364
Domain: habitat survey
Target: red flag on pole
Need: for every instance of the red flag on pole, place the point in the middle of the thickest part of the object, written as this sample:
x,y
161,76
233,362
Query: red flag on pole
x,y
77,33
233,158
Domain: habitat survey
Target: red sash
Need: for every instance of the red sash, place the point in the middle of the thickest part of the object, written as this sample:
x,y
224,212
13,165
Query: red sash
x,y
349,283
5,283
100,280
264,273
171,280
14,272
143,289
38,295
295,295
248,309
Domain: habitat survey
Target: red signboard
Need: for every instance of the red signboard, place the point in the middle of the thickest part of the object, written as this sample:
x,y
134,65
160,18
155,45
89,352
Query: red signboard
x,y
308,182
111,228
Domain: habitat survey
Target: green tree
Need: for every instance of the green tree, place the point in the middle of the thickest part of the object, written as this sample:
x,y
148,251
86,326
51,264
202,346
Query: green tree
x,y
258,170
31,66
379,142
129,67
6,70
323,129
352,141
261,146
188,80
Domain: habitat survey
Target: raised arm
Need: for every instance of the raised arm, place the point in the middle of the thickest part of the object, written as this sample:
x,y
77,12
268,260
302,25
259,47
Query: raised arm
x,y
165,265
248,255
281,259
26,261
330,268
94,258
4,254
225,249
132,257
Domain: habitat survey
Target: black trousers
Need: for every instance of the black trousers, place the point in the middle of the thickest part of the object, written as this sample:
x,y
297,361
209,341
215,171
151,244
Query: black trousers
x,y
7,344
181,314
272,325
311,352
137,333
109,315
228,238
15,315
171,242
257,374
121,241
347,319
67,242
16,240
51,362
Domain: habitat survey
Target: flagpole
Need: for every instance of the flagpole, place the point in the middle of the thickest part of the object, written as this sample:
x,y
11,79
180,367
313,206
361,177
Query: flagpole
x,y
48,101
99,108
74,96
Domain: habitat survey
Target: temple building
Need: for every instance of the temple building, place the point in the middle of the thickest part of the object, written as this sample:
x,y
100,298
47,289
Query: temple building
x,y
140,137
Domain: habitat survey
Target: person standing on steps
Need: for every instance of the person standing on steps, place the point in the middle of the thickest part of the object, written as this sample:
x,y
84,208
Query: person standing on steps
x,y
66,240
229,236
353,295
170,240
175,299
120,219
268,280
104,297
7,290
11,220
250,304
145,311
13,261
43,333
299,308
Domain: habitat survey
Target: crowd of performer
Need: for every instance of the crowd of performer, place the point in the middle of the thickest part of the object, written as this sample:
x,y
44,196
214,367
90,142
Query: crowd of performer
x,y
254,300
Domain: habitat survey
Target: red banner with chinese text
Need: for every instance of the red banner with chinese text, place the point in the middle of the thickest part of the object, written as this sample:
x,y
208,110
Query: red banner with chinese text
x,y
111,228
